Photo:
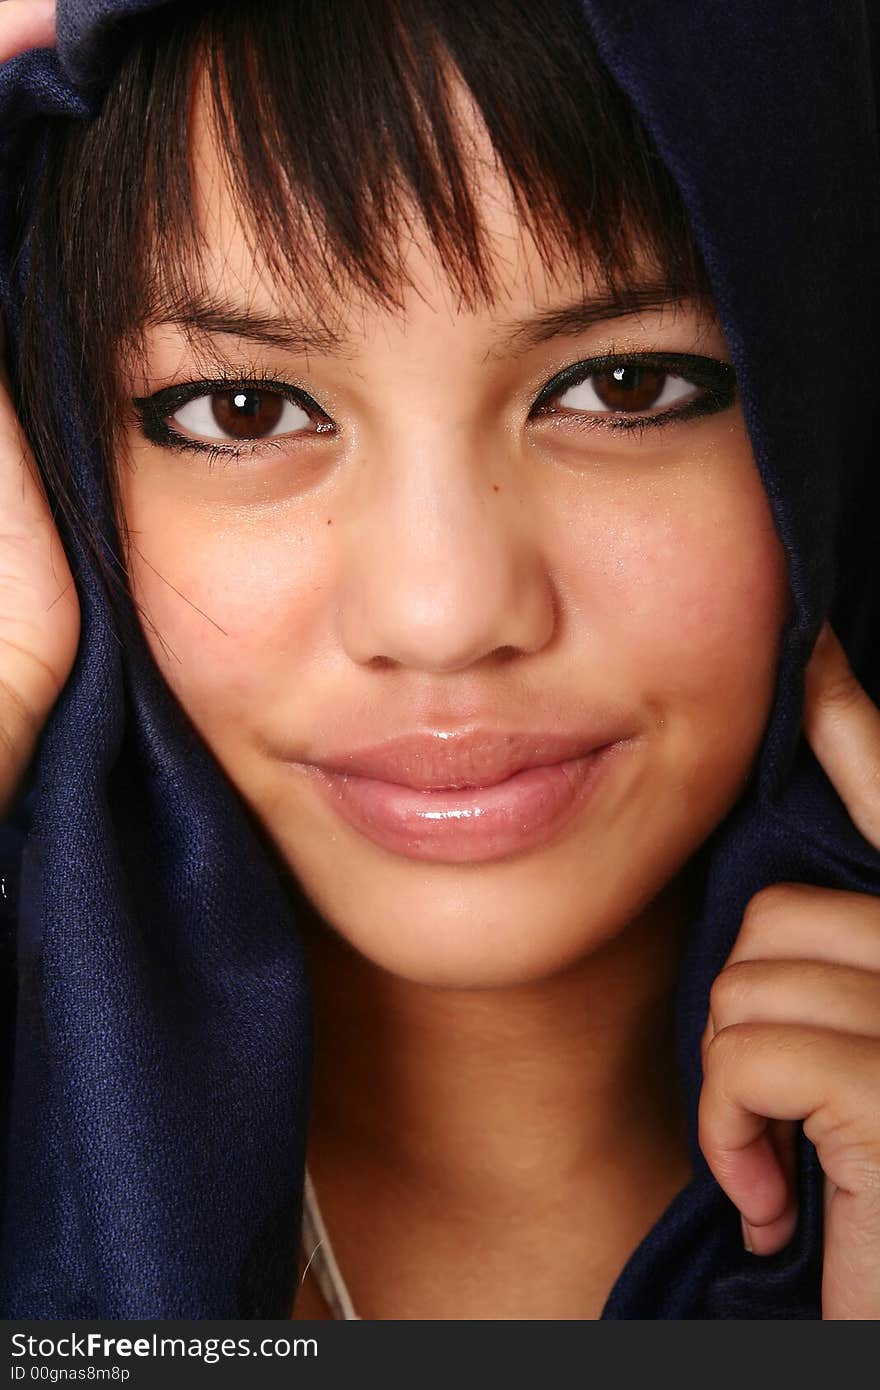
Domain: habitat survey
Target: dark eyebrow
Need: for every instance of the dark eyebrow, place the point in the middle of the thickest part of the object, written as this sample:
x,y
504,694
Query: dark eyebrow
x,y
207,317
571,319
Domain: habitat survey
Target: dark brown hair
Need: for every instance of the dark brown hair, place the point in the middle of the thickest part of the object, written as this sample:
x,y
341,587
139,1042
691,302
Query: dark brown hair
x,y
337,124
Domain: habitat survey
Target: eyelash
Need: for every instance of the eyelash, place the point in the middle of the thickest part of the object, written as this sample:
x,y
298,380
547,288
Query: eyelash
x,y
715,378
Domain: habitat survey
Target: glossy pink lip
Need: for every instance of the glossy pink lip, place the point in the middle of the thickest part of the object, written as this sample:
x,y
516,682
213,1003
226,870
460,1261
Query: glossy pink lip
x,y
476,758
470,798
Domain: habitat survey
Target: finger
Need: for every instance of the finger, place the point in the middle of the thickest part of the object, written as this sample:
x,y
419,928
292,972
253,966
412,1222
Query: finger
x,y
26,24
800,920
842,725
759,1072
767,1240
807,992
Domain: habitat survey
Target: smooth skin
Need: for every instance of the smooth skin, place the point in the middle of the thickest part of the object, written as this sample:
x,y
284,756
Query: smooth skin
x,y
794,1025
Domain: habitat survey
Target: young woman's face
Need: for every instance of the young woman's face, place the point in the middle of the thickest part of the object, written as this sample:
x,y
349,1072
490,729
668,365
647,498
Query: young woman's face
x,y
426,536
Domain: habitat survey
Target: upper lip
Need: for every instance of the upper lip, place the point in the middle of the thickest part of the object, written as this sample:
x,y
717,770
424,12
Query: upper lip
x,y
475,758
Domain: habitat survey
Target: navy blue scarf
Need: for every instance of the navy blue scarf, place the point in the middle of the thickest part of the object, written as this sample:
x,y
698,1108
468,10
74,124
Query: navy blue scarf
x,y
157,1079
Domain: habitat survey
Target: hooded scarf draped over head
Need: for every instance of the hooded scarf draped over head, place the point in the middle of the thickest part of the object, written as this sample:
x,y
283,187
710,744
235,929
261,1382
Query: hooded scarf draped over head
x,y
159,1052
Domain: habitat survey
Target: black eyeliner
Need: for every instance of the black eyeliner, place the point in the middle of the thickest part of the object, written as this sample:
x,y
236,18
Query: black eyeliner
x,y
716,378
152,411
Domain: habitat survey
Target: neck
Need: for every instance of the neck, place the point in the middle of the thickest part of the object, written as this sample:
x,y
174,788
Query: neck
x,y
476,1095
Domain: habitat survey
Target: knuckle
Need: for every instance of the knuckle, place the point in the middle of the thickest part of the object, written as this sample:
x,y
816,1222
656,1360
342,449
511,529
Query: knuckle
x,y
727,1047
15,712
841,691
849,1146
728,991
768,907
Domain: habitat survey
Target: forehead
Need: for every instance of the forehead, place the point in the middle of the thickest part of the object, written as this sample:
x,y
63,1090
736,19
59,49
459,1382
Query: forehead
x,y
238,262
243,281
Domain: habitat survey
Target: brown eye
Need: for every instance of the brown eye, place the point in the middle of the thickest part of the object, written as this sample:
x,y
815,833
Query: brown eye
x,y
242,413
247,414
627,388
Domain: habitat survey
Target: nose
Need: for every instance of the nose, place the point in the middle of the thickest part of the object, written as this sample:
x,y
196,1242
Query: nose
x,y
446,567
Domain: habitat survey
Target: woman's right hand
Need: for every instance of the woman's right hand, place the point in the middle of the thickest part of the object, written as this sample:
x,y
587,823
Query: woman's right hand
x,y
26,24
39,608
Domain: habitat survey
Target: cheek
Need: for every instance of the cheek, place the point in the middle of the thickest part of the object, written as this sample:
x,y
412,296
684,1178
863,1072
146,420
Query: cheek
x,y
231,607
686,588
701,594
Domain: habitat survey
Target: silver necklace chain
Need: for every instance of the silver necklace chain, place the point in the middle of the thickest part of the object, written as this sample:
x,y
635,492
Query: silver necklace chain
x,y
322,1260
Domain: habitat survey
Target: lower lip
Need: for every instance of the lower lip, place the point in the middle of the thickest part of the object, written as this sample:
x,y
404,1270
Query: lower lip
x,y
472,824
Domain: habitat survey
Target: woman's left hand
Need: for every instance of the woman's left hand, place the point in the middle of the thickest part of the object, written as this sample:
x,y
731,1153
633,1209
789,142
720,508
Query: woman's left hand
x,y
794,1027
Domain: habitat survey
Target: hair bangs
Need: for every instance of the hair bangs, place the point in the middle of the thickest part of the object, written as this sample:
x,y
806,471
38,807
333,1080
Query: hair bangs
x,y
338,123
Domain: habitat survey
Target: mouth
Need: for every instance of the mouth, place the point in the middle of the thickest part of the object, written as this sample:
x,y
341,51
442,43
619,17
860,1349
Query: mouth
x,y
474,758
467,821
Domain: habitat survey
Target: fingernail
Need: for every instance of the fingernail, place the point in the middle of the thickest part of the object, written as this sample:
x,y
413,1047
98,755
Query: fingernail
x,y
747,1234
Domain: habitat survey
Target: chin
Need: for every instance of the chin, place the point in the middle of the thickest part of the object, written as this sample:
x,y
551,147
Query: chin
x,y
455,931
